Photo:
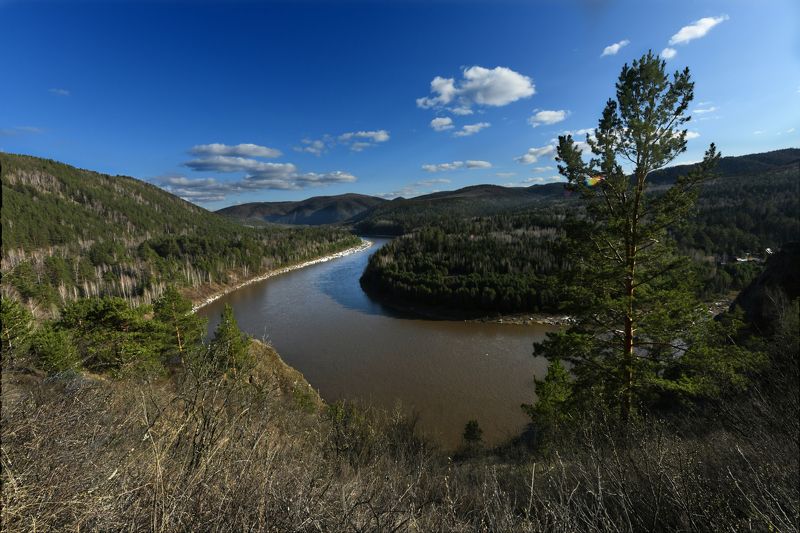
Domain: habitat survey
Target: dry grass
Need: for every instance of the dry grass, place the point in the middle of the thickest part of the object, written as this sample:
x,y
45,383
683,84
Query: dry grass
x,y
244,454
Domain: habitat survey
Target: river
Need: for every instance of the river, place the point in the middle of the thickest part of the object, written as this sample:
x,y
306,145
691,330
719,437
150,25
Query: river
x,y
351,347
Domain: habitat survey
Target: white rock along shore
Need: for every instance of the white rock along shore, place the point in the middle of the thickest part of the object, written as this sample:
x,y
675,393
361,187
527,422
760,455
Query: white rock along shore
x,y
216,296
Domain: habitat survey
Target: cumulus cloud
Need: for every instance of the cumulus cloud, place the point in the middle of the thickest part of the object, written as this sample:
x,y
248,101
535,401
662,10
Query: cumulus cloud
x,y
314,146
692,135
547,117
612,49
455,165
533,154
696,29
471,129
203,190
242,150
359,140
59,92
668,53
542,169
377,136
224,163
704,110
479,86
442,123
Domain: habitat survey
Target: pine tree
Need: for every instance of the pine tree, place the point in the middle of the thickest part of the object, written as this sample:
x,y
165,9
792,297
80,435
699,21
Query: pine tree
x,y
183,329
637,318
229,346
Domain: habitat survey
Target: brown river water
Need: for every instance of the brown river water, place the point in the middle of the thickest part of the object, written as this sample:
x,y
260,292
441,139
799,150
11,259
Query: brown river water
x,y
351,347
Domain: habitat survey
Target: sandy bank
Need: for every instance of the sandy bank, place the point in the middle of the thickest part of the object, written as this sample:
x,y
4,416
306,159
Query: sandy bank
x,y
229,289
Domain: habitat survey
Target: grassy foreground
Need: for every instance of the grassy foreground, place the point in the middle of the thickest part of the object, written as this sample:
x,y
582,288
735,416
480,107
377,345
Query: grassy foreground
x,y
258,451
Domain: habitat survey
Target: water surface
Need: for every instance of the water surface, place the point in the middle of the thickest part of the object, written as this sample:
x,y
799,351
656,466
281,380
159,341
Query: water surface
x,y
351,347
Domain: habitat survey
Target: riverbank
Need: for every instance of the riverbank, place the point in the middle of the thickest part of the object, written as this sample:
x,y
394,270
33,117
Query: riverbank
x,y
411,309
200,301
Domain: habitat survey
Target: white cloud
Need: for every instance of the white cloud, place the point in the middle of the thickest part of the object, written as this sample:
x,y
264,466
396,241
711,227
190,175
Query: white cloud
x,y
479,86
243,150
758,132
359,140
790,130
377,136
314,146
59,92
224,163
471,129
442,123
546,117
533,154
455,165
668,53
704,110
696,29
505,174
612,49
442,167
204,190
541,169
692,135
467,111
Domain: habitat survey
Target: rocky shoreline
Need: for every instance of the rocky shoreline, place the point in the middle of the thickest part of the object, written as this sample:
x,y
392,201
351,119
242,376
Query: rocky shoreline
x,y
365,244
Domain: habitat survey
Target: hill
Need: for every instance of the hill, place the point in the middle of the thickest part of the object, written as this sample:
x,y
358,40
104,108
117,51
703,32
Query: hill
x,y
748,165
70,233
403,215
742,179
312,211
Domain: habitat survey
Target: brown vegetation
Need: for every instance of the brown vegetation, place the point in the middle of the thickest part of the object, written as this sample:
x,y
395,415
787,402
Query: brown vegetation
x,y
258,452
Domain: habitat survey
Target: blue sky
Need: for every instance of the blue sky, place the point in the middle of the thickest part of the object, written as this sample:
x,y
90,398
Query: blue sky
x,y
226,102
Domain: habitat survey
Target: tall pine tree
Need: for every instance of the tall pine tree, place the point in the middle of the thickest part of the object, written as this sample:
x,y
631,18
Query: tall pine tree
x,y
637,334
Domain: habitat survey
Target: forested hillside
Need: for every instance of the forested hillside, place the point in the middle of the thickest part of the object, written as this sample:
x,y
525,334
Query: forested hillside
x,y
402,215
312,211
71,233
491,264
506,263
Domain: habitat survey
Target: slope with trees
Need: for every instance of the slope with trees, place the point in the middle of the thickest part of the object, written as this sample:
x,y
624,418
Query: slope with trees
x,y
70,233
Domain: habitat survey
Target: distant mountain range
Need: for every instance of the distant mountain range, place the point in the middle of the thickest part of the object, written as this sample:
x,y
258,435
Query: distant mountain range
x,y
311,212
370,214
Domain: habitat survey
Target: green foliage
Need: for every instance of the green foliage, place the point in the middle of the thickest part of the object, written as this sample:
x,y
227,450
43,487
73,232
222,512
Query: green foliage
x,y
552,396
473,434
113,336
500,264
182,329
55,349
228,348
16,327
639,330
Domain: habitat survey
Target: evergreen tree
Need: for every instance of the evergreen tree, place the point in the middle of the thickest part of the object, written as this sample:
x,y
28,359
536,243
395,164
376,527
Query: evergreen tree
x,y
183,329
229,347
637,320
552,395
